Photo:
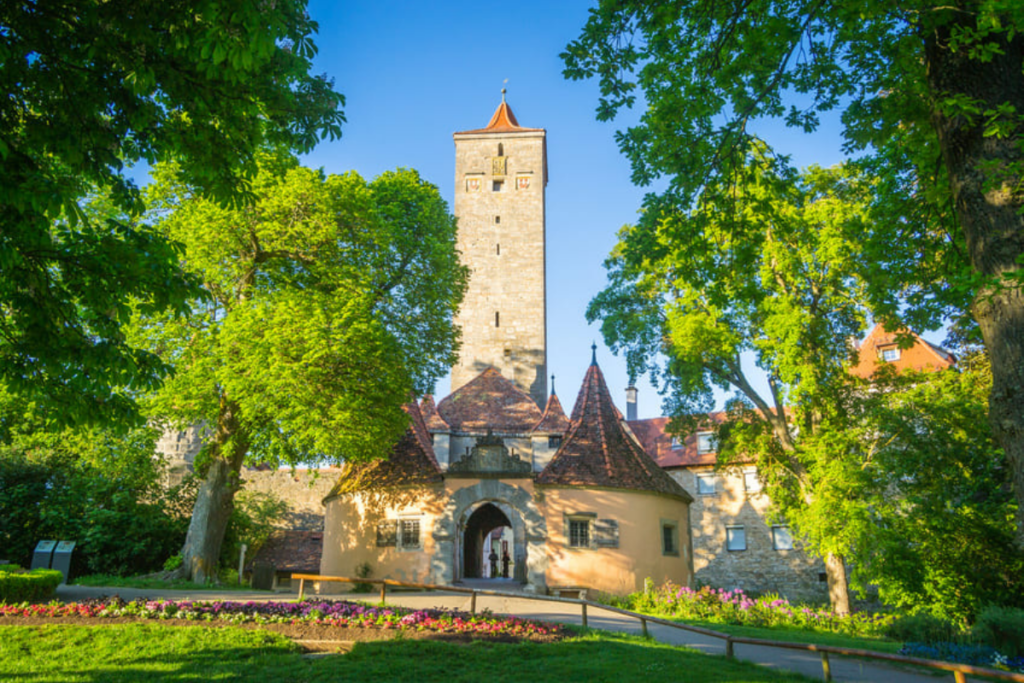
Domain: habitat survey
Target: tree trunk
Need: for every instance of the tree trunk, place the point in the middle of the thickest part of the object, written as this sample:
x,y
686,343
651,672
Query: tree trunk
x,y
838,589
982,173
216,498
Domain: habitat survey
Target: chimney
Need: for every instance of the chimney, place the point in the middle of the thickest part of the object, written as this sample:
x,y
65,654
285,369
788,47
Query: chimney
x,y
631,403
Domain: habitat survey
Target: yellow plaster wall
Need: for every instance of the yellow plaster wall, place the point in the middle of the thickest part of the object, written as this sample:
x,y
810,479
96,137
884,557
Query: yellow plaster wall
x,y
350,534
623,569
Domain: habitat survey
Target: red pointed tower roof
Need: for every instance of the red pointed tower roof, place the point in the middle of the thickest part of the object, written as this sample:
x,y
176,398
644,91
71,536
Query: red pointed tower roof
x,y
554,420
433,421
503,121
490,401
411,462
598,451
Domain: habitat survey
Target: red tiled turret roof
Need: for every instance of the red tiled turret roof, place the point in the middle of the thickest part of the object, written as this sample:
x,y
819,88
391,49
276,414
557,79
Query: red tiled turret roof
x,y
430,417
411,461
599,451
490,402
503,121
554,420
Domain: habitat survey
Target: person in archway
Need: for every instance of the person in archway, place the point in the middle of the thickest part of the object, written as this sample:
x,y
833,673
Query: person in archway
x,y
493,557
505,559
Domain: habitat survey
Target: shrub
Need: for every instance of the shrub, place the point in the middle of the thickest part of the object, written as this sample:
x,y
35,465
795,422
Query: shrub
x,y
923,628
9,568
173,562
1001,628
364,570
33,586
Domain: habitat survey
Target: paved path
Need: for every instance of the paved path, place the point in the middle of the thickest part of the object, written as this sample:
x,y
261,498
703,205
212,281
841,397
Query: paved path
x,y
844,669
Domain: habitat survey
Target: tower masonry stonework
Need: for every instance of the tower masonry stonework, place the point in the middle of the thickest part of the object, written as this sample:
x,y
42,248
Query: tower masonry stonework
x,y
500,179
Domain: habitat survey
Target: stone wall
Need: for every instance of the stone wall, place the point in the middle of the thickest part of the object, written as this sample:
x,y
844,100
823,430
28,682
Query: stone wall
x,y
302,490
500,209
737,502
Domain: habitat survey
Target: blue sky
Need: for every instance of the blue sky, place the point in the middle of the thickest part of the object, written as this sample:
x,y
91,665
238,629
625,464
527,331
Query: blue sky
x,y
414,73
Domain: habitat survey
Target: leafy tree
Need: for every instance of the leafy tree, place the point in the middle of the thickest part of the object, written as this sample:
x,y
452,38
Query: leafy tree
x,y
91,87
934,529
98,488
765,265
330,299
932,101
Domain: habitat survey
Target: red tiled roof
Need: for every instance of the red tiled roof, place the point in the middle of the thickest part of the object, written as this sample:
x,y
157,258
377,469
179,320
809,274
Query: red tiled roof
x,y
554,420
410,462
292,551
430,416
658,443
490,401
503,121
922,356
599,451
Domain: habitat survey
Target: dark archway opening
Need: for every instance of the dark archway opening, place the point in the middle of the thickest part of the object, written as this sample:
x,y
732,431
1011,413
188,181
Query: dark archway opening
x,y
480,524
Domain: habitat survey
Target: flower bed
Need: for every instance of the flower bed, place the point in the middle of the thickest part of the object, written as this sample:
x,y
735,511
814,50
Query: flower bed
x,y
722,606
338,613
975,655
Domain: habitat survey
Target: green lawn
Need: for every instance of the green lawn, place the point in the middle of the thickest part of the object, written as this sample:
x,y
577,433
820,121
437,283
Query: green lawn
x,y
799,635
104,580
158,652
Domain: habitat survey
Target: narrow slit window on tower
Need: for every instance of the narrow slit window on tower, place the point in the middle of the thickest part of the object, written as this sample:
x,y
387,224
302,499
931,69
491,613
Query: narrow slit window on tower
x,y
497,320
498,249
497,220
501,150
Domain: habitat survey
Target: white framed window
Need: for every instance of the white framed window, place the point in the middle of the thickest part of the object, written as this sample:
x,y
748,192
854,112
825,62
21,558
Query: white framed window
x,y
890,355
781,538
705,442
735,538
706,484
579,533
669,537
751,482
409,533
676,444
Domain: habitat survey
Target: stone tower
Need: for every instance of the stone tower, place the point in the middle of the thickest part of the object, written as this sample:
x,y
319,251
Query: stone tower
x,y
500,179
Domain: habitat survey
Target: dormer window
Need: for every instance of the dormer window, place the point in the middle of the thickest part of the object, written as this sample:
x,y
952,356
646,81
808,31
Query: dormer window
x,y
676,443
705,442
890,355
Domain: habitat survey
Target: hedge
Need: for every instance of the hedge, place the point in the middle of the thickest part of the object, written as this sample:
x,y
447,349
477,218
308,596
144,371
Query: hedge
x,y
19,586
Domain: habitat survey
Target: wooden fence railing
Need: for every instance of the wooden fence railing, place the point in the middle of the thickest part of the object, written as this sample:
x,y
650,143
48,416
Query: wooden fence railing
x,y
959,671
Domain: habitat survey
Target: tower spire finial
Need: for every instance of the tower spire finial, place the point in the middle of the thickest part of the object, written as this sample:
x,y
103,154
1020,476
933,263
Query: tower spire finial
x,y
503,83
593,350
552,385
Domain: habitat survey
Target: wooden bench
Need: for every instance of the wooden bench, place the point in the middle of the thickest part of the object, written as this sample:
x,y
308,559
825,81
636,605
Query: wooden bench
x,y
574,592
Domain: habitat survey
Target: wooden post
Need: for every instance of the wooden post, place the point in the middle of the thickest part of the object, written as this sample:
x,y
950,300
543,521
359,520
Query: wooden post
x,y
472,604
302,588
826,668
728,648
584,615
959,677
643,627
383,592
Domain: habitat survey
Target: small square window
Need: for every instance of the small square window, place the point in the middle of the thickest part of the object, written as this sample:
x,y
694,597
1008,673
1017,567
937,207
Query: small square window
x,y
705,442
735,538
890,355
497,185
676,444
751,482
387,534
409,536
781,538
579,533
669,538
706,484
554,441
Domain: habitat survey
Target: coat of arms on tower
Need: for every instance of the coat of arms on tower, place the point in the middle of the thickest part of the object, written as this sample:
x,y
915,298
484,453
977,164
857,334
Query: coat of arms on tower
x,y
523,182
472,184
